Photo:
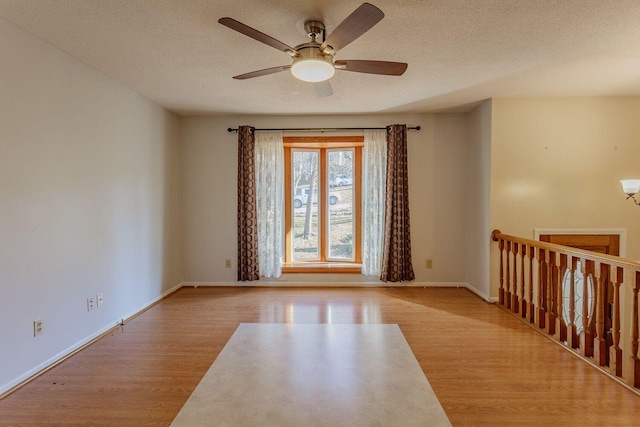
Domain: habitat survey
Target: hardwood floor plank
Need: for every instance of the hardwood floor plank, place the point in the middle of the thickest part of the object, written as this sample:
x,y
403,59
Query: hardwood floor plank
x,y
485,366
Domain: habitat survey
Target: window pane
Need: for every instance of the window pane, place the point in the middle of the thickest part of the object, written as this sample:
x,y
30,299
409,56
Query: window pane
x,y
305,164
341,206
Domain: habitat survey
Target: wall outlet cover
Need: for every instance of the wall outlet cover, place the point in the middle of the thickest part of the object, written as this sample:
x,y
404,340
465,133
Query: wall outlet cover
x,y
38,327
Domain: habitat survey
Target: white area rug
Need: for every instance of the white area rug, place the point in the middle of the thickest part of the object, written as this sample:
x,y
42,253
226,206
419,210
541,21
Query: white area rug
x,y
314,375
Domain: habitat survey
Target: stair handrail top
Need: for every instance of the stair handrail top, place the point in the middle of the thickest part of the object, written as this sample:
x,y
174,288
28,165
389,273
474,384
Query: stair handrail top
x,y
613,260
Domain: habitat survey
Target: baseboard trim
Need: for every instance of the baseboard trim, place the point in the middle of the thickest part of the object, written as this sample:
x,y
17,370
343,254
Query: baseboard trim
x,y
325,284
482,295
288,284
465,285
34,373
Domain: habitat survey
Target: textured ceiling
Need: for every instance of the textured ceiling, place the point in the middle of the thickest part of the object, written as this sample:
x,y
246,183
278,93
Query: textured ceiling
x,y
459,51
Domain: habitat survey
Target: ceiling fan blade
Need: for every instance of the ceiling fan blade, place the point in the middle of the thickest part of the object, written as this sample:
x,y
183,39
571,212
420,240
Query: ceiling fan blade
x,y
386,68
323,89
359,22
257,35
264,72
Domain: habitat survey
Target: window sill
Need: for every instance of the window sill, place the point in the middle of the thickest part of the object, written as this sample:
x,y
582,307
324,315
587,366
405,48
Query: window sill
x,y
322,268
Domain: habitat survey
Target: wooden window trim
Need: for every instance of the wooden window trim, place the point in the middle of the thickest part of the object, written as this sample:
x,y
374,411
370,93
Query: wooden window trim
x,y
322,141
323,265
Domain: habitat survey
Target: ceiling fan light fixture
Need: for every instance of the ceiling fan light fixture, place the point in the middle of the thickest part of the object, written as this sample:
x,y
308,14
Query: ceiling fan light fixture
x,y
312,70
316,68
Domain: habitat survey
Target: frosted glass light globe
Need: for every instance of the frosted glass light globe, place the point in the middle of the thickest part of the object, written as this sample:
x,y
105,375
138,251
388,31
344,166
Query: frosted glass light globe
x,y
312,70
630,186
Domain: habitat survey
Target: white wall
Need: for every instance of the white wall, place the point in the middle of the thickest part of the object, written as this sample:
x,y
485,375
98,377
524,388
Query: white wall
x,y
437,180
478,199
556,163
89,202
437,183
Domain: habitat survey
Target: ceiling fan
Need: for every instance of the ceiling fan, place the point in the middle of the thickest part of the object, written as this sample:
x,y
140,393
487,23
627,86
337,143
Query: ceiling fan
x,y
315,62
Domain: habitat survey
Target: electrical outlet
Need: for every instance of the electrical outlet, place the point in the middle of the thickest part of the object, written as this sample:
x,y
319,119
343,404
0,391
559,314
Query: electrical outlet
x,y
429,263
38,327
91,303
99,299
227,263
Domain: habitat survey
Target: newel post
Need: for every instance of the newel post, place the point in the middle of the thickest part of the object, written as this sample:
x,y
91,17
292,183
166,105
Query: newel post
x,y
635,362
523,283
507,295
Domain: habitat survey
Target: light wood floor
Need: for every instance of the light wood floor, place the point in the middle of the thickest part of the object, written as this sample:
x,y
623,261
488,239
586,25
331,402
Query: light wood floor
x,y
486,367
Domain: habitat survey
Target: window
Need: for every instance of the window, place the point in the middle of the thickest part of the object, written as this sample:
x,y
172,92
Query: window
x,y
322,203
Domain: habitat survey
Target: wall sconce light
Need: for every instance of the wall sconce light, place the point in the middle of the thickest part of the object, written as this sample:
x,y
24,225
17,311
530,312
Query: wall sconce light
x,y
631,188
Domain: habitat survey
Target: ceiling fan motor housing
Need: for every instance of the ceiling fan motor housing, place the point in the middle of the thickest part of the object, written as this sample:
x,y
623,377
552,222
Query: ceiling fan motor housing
x,y
314,29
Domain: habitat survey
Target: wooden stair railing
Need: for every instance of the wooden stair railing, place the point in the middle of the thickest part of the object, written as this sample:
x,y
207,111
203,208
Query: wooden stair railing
x,y
577,297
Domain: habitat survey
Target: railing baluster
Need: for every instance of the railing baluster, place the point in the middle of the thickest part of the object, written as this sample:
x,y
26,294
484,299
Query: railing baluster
x,y
635,362
531,310
600,344
561,330
540,309
514,296
550,321
616,276
586,337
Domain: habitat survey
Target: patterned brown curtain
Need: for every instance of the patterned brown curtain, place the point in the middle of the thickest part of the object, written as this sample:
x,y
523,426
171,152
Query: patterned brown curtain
x,y
396,255
248,268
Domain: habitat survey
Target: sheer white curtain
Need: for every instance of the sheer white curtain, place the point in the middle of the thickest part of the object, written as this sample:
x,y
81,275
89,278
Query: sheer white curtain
x,y
269,156
374,166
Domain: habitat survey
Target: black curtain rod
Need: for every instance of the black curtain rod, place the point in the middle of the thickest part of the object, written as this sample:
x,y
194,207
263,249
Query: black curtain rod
x,y
321,129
